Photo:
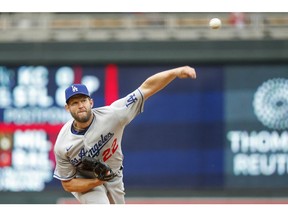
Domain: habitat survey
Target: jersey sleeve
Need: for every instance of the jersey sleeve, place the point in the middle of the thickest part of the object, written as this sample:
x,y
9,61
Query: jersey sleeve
x,y
64,170
130,106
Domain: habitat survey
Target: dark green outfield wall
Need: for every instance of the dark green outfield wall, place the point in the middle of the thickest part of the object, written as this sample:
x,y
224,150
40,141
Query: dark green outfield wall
x,y
145,52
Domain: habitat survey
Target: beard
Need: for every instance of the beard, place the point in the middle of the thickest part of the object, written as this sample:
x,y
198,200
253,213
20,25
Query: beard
x,y
82,118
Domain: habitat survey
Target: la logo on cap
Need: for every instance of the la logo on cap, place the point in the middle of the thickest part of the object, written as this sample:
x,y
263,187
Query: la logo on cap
x,y
74,89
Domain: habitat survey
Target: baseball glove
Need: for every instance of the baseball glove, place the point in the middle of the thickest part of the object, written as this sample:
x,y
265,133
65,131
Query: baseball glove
x,y
102,170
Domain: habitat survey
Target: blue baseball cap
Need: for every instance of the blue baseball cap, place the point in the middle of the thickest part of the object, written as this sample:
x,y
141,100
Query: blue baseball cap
x,y
76,89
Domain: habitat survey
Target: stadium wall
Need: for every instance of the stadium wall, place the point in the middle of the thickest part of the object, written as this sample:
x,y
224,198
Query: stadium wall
x,y
148,52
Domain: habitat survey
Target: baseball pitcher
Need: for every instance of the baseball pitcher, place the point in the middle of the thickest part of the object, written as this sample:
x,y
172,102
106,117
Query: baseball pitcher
x,y
88,147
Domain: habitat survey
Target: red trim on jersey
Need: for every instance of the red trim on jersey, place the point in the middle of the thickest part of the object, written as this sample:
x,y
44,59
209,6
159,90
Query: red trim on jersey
x,y
111,91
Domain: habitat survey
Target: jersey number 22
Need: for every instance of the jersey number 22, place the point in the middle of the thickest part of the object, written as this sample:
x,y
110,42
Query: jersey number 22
x,y
110,151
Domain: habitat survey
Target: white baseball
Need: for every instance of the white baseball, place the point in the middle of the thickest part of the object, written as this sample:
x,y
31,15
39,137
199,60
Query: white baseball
x,y
215,23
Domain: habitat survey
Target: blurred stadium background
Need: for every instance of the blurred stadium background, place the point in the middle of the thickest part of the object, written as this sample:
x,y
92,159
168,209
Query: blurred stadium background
x,y
219,139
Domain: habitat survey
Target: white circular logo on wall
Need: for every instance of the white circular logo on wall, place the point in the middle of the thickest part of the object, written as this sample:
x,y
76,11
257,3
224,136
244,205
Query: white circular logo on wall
x,y
271,103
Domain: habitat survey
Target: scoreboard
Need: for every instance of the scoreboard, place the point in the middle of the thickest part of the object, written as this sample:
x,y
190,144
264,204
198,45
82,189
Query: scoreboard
x,y
227,129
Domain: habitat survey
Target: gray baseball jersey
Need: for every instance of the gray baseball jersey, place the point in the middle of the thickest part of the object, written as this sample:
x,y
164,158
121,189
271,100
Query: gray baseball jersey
x,y
102,140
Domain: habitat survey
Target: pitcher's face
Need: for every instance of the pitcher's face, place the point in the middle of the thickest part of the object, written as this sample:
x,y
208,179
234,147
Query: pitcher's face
x,y
80,107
